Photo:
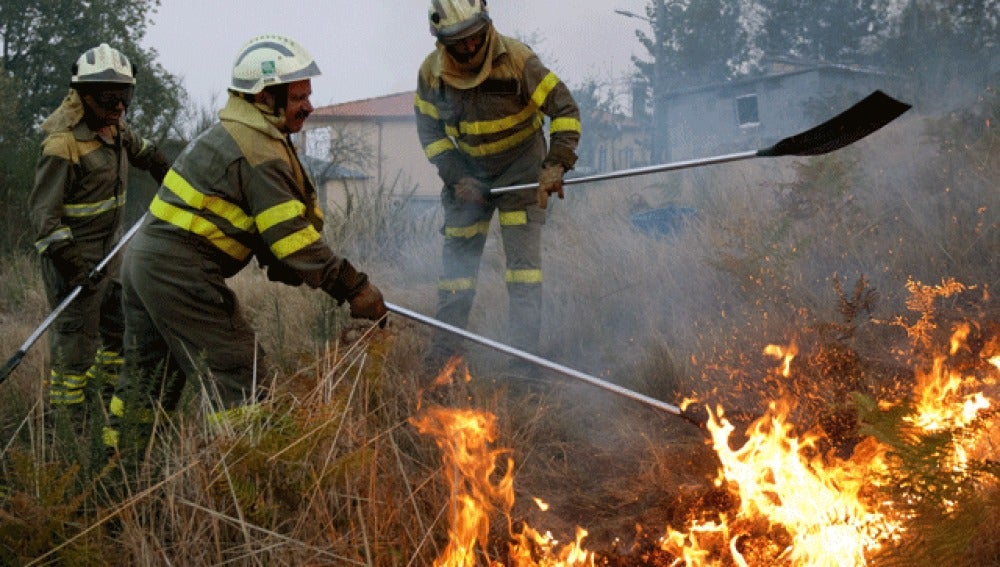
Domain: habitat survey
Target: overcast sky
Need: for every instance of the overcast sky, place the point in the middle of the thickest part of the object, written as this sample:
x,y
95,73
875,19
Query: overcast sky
x,y
369,48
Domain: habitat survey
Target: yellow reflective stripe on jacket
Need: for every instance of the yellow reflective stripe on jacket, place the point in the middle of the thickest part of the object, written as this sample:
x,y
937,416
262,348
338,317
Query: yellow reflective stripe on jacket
x,y
439,147
524,276
295,242
69,381
457,284
505,144
81,210
565,125
193,223
471,231
544,88
279,214
513,218
108,357
198,200
424,107
58,235
483,128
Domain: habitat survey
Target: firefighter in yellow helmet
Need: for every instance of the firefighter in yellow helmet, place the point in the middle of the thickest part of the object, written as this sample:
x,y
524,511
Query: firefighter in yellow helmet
x,y
76,207
236,192
481,103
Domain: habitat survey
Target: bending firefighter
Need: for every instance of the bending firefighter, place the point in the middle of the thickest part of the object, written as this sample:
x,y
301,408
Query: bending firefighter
x,y
481,104
76,208
237,191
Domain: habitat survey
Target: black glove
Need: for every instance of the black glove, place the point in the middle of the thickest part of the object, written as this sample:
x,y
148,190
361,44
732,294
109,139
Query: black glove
x,y
69,263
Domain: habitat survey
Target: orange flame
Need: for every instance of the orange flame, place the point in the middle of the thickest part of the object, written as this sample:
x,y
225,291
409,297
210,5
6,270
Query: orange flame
x,y
820,506
786,354
464,437
796,504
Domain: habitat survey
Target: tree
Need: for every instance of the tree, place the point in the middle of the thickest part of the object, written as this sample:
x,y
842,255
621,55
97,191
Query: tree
x,y
598,120
41,39
694,43
837,32
946,48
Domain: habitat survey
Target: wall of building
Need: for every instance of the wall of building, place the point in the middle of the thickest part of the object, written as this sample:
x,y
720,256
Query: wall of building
x,y
707,122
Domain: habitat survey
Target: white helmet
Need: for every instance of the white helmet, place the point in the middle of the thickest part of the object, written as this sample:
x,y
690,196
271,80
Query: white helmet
x,y
271,60
455,19
103,64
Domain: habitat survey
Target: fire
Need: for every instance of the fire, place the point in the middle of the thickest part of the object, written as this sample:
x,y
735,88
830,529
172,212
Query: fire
x,y
818,505
479,492
825,510
785,354
464,437
794,502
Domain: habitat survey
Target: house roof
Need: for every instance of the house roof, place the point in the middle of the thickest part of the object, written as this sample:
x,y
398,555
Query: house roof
x,y
398,105
784,68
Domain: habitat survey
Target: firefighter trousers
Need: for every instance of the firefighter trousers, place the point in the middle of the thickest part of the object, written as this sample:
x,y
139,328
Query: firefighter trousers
x,y
466,227
85,340
181,322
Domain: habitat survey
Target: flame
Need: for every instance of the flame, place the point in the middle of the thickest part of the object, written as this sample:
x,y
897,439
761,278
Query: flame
x,y
794,503
786,354
465,438
817,504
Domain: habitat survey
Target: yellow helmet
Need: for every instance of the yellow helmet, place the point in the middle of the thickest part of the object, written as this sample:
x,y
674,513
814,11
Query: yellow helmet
x,y
455,19
268,60
102,64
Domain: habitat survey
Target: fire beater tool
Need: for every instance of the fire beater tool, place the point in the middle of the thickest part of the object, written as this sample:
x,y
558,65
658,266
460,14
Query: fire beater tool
x,y
15,360
866,116
555,367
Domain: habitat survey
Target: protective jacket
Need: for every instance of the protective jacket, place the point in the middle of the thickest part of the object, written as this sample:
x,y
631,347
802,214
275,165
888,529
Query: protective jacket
x,y
237,191
80,184
77,201
483,125
487,123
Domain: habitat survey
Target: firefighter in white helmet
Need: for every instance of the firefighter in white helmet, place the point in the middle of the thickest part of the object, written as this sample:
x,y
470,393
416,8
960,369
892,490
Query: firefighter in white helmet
x,y
481,103
236,192
76,208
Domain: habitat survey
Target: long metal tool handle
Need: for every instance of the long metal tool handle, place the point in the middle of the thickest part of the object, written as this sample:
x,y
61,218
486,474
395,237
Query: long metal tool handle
x,y
564,370
864,117
15,360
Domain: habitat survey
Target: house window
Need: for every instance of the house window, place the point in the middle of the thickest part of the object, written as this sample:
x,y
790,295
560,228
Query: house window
x,y
746,110
602,159
629,157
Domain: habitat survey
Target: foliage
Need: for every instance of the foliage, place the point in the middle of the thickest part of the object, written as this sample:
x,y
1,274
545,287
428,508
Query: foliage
x,y
943,47
696,43
41,41
828,31
943,504
693,43
599,118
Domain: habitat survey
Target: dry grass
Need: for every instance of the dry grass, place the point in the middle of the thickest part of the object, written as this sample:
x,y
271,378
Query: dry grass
x,y
332,473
